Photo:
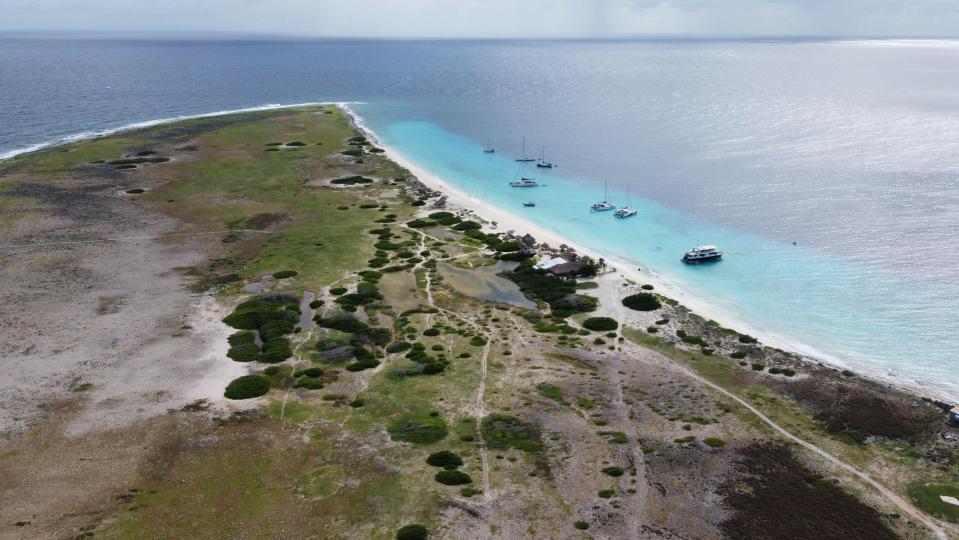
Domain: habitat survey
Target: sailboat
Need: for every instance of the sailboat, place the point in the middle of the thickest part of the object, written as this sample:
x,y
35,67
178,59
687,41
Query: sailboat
x,y
603,205
543,164
525,158
489,148
625,211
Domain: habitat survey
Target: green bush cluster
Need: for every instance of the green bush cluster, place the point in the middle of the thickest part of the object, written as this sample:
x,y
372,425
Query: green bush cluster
x,y
342,322
467,226
283,274
600,324
444,459
613,471
247,386
453,478
643,301
273,317
420,223
413,531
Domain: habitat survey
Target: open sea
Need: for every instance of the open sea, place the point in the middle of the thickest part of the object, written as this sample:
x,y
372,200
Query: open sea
x,y
826,170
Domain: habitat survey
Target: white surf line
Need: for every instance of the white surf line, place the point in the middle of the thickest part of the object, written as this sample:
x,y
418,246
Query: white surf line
x,y
898,501
91,135
124,238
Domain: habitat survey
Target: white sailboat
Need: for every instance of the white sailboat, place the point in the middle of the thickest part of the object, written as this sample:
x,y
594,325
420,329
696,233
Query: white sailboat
x,y
543,164
489,148
525,158
604,204
626,211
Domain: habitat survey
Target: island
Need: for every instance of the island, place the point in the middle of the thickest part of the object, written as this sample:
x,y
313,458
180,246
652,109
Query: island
x,y
262,325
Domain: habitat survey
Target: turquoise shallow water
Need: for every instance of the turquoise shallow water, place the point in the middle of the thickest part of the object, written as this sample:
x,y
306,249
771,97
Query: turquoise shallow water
x,y
854,314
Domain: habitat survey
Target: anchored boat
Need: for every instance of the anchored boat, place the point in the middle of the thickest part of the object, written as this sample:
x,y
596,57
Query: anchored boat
x,y
524,182
489,148
529,204
603,205
701,254
543,164
626,211
525,158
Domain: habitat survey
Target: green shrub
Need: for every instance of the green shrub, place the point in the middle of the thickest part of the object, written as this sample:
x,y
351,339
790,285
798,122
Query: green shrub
x,y
337,291
692,340
506,246
135,191
581,525
343,323
605,493
420,429
397,346
362,364
315,304
743,338
467,226
313,372
244,352
242,337
276,350
600,324
413,531
445,459
613,471
714,442
431,332
469,492
247,386
478,341
254,313
420,223
647,287
351,180
283,274
642,302
652,329
738,355
684,440
758,367
550,391
453,478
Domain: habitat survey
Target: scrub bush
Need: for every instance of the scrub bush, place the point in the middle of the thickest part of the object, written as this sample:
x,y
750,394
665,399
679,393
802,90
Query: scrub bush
x,y
247,386
642,302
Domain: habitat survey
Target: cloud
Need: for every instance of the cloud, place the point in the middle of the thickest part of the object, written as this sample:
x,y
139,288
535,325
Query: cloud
x,y
494,18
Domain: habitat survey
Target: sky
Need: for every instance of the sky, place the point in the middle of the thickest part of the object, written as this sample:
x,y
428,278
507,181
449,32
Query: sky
x,y
492,18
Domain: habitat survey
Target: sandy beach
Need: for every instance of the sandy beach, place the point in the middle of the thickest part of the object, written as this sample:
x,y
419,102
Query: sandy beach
x,y
505,221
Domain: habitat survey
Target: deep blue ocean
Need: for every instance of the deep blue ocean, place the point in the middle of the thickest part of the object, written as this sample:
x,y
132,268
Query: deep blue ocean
x,y
826,170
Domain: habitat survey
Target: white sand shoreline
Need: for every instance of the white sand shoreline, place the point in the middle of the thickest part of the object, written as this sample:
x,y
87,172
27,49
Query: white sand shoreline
x,y
458,199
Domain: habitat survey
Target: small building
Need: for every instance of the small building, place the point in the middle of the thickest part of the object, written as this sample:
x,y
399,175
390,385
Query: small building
x,y
567,269
954,415
546,265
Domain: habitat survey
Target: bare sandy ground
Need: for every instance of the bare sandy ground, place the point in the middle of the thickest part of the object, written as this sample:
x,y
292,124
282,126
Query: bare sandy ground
x,y
110,321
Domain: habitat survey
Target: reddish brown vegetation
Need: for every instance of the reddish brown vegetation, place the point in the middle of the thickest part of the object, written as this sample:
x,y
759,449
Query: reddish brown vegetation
x,y
784,499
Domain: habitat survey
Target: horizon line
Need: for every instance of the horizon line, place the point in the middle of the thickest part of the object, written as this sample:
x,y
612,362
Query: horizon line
x,y
213,35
